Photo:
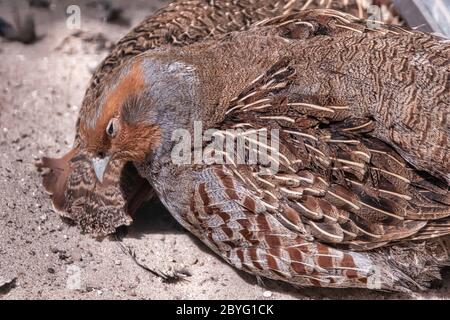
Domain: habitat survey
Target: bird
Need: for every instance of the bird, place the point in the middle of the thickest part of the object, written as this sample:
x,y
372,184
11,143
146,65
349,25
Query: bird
x,y
359,116
99,209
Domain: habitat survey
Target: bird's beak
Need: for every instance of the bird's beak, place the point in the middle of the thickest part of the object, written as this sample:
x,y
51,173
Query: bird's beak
x,y
100,165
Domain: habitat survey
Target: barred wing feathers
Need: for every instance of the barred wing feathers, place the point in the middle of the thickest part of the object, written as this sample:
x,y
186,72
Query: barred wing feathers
x,y
345,196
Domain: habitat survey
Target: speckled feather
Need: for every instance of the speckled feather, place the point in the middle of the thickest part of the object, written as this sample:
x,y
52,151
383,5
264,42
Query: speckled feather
x,y
350,199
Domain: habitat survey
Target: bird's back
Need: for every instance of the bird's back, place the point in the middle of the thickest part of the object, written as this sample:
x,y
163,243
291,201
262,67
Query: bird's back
x,y
348,196
396,77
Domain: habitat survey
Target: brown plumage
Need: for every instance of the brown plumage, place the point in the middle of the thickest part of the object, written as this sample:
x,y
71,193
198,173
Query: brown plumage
x,y
361,196
181,23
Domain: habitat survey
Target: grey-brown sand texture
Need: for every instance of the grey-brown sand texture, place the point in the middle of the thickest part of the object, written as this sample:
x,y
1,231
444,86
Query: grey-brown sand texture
x,y
44,257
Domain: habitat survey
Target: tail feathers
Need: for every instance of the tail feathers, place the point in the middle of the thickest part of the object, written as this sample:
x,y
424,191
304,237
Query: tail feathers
x,y
412,266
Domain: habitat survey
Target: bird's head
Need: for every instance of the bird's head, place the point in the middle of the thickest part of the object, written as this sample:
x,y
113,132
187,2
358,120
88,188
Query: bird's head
x,y
133,112
138,107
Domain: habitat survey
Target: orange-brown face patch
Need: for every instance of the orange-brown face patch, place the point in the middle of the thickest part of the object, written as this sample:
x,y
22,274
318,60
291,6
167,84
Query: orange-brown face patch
x,y
136,141
132,84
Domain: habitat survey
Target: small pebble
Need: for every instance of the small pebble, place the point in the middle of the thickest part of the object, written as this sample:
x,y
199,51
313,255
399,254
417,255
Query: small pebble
x,y
267,294
54,249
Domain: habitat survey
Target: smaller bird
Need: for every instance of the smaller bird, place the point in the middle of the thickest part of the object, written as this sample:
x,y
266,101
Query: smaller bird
x,y
97,208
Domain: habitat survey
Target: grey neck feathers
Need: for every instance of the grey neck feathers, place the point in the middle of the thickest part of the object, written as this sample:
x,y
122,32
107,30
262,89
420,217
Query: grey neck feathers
x,y
172,86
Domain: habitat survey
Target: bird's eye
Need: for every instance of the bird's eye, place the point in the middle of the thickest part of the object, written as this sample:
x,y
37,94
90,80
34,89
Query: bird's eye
x,y
112,128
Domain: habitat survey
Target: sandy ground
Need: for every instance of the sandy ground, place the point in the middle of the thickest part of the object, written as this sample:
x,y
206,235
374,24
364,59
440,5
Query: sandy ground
x,y
41,88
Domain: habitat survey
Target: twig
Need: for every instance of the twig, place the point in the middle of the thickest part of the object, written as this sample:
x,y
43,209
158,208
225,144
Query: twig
x,y
176,276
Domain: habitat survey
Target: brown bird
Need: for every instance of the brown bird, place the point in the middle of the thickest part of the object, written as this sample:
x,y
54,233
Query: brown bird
x,y
100,208
351,195
360,195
